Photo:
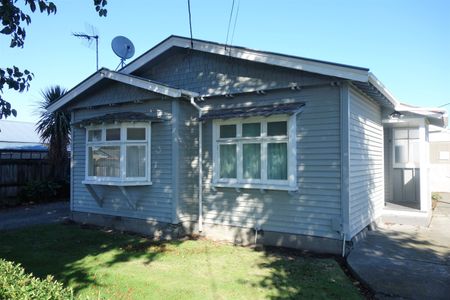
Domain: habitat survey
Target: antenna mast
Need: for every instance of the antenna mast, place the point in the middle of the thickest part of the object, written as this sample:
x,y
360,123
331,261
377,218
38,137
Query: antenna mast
x,y
89,39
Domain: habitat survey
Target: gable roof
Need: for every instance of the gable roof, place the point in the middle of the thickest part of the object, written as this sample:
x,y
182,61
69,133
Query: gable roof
x,y
103,73
277,59
360,78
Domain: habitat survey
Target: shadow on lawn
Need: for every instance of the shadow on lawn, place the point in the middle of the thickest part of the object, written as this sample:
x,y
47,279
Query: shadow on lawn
x,y
71,254
299,274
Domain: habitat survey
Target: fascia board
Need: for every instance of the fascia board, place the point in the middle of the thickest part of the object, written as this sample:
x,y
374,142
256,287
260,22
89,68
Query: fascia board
x,y
141,83
83,86
251,55
380,86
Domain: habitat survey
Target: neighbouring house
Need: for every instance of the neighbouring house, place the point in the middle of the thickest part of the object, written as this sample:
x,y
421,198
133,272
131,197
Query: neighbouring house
x,y
244,145
440,161
16,135
23,157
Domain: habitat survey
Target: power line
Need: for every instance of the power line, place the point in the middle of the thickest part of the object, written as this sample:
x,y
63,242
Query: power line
x,y
229,23
235,21
190,21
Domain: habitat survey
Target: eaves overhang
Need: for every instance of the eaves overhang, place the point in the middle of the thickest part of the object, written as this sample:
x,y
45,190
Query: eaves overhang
x,y
105,74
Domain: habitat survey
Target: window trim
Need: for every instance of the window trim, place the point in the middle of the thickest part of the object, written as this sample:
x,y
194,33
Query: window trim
x,y
410,164
123,143
290,184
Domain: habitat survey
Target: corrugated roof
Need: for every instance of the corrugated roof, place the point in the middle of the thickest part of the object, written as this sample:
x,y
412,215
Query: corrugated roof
x,y
251,111
18,132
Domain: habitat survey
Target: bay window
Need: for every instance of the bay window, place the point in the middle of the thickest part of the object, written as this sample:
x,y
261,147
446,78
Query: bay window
x,y
257,152
118,154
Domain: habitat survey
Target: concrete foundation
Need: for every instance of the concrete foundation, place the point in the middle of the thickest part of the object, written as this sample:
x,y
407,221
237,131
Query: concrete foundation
x,y
236,235
248,236
158,230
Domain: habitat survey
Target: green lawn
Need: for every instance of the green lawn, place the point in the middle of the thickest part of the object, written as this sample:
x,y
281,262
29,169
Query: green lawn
x,y
108,265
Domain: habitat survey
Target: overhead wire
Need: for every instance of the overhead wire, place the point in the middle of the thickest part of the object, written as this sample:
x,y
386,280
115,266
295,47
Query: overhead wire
x,y
190,21
235,21
229,24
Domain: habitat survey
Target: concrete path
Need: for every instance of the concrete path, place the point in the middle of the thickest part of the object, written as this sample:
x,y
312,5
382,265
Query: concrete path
x,y
33,215
407,262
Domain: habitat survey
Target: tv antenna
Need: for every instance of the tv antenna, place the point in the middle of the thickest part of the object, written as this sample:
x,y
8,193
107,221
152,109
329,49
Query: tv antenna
x,y
123,48
89,38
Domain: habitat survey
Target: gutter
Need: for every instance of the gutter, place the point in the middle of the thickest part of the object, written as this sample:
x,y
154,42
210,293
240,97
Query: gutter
x,y
377,83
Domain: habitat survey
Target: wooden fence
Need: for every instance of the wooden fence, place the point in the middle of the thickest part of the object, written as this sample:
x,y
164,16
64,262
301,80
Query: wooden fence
x,y
17,168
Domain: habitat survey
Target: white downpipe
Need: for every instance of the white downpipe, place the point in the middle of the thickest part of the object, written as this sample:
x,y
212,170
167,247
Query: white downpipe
x,y
200,163
343,245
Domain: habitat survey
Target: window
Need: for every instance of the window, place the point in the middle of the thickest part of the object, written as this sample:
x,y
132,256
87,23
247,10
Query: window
x,y
406,145
118,154
255,153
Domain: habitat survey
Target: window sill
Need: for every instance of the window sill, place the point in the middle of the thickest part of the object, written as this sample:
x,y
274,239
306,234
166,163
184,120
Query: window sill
x,y
406,166
117,183
256,186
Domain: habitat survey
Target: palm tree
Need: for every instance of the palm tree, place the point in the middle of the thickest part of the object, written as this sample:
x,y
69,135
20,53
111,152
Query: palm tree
x,y
54,129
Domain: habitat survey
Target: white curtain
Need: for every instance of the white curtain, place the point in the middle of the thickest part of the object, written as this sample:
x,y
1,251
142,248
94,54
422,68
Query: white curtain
x,y
136,161
277,161
228,167
252,161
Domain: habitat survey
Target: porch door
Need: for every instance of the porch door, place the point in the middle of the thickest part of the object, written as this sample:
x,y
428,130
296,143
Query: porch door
x,y
406,162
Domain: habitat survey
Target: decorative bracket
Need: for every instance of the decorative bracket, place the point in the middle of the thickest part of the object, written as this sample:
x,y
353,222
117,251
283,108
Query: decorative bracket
x,y
95,195
131,203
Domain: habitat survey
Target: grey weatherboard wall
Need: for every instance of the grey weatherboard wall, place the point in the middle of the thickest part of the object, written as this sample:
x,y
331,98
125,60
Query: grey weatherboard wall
x,y
310,211
366,165
316,206
154,202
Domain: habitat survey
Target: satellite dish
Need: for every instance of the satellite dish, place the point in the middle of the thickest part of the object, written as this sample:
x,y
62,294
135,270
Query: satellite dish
x,y
123,48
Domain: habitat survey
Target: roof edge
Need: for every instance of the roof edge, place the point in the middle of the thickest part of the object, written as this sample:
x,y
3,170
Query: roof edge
x,y
277,59
132,80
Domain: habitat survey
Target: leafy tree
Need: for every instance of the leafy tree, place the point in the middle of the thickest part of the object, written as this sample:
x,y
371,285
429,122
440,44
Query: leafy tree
x,y
13,21
54,129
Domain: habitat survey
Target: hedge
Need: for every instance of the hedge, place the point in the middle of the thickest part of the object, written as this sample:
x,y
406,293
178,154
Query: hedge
x,y
16,284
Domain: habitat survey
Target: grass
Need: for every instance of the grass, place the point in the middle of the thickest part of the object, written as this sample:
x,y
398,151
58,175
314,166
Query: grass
x,y
107,265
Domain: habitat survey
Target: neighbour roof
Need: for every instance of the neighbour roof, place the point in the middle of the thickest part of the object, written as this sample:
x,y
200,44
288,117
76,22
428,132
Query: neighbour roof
x,y
119,117
18,132
250,111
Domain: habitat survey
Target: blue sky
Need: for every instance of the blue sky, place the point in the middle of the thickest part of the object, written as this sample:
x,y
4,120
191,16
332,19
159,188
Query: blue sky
x,y
405,43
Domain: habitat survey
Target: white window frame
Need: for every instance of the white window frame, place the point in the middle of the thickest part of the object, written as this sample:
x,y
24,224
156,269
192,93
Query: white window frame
x,y
121,180
409,141
290,184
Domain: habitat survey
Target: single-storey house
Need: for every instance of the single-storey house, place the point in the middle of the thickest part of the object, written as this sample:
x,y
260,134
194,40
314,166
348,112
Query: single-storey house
x,y
243,145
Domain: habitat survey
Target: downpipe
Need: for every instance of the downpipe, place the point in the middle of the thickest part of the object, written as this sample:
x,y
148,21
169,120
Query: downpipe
x,y
200,164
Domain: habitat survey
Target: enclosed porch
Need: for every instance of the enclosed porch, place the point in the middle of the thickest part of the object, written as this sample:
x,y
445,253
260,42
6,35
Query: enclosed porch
x,y
406,168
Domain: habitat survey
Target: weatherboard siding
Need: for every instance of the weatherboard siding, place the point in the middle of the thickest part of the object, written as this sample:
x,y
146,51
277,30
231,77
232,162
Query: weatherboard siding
x,y
188,163
366,178
210,74
154,201
313,209
113,93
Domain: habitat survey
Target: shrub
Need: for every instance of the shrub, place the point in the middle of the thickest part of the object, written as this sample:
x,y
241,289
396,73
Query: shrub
x,y
40,191
16,284
436,196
